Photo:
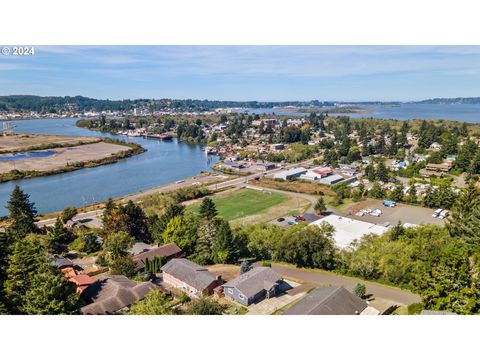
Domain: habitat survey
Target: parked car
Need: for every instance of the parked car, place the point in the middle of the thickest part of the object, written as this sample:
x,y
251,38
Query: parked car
x,y
437,213
389,203
443,214
376,212
291,223
299,218
280,219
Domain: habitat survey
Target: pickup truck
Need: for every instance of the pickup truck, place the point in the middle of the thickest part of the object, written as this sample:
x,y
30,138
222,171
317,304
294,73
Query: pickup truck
x,y
389,203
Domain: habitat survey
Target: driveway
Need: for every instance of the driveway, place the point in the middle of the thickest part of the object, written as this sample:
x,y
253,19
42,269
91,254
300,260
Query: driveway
x,y
323,278
269,306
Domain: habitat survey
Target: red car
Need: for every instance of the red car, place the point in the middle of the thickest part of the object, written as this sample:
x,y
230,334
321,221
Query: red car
x,y
299,218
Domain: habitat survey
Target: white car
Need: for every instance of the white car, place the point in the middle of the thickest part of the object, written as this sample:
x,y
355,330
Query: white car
x,y
443,214
376,212
437,213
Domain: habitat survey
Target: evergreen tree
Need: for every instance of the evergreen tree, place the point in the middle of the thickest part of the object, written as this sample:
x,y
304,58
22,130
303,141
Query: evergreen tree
x,y
50,293
465,219
397,193
59,236
68,213
208,209
382,172
320,206
223,248
22,214
27,257
377,191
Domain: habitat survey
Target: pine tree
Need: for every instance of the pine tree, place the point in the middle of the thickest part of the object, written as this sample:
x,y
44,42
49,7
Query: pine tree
x,y
320,206
27,257
223,249
208,209
465,219
22,214
50,294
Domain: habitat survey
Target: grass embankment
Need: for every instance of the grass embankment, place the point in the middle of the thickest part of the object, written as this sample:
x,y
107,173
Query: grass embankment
x,y
243,203
19,174
297,186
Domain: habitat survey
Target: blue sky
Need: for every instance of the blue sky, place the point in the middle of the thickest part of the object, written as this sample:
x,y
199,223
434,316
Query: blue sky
x,y
264,73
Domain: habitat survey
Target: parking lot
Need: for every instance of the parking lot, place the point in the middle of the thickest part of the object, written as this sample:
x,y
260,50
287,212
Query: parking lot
x,y
290,220
404,213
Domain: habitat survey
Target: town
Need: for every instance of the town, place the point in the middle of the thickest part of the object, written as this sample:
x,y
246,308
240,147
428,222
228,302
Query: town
x,y
302,215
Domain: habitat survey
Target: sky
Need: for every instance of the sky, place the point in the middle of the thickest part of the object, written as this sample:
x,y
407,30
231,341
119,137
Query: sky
x,y
262,73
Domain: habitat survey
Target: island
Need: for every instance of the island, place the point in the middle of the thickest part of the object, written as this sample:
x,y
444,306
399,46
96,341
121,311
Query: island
x,y
26,155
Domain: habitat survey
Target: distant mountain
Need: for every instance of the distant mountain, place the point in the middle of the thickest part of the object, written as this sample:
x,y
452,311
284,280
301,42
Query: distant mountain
x,y
58,104
458,100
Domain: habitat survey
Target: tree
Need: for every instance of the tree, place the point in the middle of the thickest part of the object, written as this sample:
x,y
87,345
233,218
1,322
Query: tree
x,y
397,193
123,265
360,290
50,293
181,232
223,249
320,206
117,245
465,219
137,222
68,213
59,236
377,191
27,257
22,213
205,306
412,194
382,172
245,266
156,302
91,243
208,209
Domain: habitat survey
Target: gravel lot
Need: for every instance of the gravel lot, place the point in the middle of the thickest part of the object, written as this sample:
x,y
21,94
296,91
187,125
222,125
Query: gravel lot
x,y
404,213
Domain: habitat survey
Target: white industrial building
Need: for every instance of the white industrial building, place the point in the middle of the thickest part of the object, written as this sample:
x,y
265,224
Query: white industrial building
x,y
347,230
290,173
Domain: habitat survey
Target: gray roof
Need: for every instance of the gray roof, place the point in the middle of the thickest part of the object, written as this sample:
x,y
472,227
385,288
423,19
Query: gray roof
x,y
111,294
254,281
190,273
163,251
60,262
139,247
330,300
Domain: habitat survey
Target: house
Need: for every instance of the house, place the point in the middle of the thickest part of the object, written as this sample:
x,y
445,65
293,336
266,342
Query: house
x,y
113,294
139,247
436,169
189,277
277,147
233,164
60,262
347,229
73,224
331,300
290,173
316,173
82,281
167,252
255,285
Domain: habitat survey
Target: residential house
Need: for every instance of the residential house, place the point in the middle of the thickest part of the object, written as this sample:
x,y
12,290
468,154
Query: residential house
x,y
166,252
82,281
193,279
435,146
255,285
264,165
331,300
139,247
113,294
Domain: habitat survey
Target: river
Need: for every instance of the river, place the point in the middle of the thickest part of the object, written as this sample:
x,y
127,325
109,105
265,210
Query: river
x,y
163,162
405,111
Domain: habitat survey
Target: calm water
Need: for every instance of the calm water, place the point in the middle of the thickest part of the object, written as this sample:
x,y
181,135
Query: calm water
x,y
27,155
162,163
458,112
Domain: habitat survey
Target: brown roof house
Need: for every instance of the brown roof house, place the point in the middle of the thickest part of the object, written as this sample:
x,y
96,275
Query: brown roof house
x,y
166,252
194,280
113,294
331,300
255,285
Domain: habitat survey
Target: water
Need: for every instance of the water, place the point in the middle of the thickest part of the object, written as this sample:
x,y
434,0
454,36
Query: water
x,y
457,112
33,154
163,162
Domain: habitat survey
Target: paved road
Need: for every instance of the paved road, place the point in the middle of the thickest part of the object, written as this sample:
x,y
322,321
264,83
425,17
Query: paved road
x,y
322,278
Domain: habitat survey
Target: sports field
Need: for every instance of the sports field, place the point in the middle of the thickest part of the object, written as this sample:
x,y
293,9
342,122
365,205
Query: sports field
x,y
242,203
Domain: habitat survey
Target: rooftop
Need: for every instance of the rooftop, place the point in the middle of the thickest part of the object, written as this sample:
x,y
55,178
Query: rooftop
x,y
190,273
330,300
254,281
347,229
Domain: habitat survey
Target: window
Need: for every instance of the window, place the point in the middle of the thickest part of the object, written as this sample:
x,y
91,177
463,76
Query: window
x,y
230,291
241,297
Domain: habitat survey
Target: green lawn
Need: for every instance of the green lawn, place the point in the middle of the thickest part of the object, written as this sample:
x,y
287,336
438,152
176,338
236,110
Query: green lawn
x,y
243,203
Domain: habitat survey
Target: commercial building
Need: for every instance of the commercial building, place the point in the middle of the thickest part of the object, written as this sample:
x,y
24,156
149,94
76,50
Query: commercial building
x,y
347,230
290,173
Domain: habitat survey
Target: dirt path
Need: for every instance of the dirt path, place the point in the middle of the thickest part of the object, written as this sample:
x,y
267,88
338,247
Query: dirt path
x,y
322,278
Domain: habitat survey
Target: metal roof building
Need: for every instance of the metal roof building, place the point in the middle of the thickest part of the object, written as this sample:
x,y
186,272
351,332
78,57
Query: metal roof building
x,y
290,173
347,229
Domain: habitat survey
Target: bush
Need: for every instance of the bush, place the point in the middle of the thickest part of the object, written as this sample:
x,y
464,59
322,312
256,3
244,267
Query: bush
x,y
414,309
360,290
184,298
266,263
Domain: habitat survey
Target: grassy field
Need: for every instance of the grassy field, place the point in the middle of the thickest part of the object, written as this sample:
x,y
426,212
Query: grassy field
x,y
243,203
